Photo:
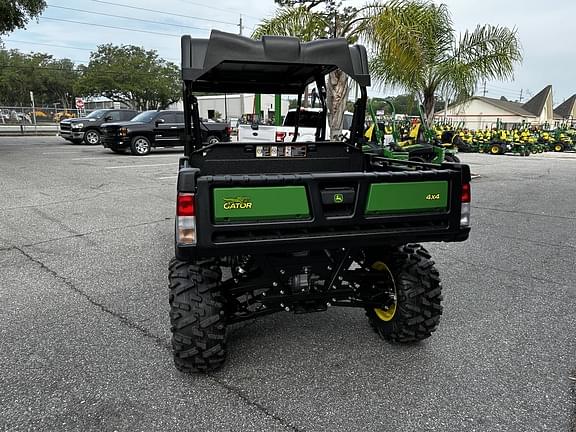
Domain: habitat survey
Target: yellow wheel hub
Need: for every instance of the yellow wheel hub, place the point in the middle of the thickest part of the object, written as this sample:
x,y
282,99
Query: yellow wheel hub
x,y
558,148
494,150
388,313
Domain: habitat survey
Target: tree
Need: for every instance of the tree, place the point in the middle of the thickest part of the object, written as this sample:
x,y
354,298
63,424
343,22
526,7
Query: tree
x,y
301,19
446,65
15,14
131,75
50,79
404,104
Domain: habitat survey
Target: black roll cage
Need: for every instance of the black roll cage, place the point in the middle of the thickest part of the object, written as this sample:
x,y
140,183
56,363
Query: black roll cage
x,y
278,65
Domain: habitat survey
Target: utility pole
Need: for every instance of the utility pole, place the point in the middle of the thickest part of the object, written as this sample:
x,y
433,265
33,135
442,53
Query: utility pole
x,y
241,25
445,106
521,94
484,91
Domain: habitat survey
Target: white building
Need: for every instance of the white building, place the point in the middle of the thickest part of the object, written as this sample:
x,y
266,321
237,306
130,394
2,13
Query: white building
x,y
234,106
481,112
566,111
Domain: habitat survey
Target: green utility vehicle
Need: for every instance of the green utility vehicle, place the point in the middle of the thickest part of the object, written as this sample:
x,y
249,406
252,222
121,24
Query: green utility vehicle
x,y
300,226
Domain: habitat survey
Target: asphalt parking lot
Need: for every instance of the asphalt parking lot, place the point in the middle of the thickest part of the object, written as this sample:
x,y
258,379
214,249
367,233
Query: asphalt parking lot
x,y
85,239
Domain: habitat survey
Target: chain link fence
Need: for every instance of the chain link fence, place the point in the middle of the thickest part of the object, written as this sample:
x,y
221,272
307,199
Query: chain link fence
x,y
21,120
10,115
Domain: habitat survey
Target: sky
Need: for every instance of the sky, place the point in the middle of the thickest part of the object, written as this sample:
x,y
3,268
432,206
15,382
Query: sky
x,y
64,30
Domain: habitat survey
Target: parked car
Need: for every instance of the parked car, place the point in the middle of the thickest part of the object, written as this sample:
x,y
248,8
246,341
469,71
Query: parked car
x,y
157,129
88,129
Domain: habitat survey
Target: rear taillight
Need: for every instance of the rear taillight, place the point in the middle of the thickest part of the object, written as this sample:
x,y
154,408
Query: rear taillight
x,y
466,193
228,131
186,205
280,136
465,209
186,219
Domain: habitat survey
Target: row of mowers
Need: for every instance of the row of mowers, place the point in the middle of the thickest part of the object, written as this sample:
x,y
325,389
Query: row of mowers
x,y
520,141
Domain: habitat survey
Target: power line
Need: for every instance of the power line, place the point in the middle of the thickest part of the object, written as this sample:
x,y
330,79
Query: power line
x,y
213,7
501,90
72,47
111,27
121,74
127,18
498,87
161,12
46,44
39,67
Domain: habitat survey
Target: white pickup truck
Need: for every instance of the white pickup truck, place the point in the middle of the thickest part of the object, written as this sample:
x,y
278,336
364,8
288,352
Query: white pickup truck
x,y
285,133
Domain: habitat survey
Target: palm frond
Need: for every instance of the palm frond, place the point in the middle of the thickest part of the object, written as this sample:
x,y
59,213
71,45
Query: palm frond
x,y
298,21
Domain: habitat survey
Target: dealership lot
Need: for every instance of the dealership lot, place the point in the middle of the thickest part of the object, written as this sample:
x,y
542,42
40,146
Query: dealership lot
x,y
85,239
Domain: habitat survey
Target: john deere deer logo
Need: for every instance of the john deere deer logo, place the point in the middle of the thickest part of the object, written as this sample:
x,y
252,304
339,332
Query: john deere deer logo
x,y
237,203
338,198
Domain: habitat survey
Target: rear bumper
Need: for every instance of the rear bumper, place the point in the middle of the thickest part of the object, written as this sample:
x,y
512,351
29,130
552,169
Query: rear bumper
x,y
324,230
352,240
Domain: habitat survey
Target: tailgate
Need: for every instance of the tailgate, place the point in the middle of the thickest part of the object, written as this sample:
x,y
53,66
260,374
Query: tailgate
x,y
256,133
327,210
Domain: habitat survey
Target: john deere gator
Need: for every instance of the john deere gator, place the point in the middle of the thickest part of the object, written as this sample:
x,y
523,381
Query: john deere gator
x,y
300,227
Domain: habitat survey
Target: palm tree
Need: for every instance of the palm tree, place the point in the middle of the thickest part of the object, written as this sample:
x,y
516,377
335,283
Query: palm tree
x,y
413,45
304,22
445,64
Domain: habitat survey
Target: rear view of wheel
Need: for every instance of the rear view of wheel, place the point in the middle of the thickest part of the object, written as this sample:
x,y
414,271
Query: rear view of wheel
x,y
197,316
409,292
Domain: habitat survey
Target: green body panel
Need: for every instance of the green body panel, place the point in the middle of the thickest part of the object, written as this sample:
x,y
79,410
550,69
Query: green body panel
x,y
260,203
413,197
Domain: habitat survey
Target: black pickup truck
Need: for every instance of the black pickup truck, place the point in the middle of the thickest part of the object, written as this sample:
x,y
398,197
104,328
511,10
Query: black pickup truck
x,y
157,129
87,129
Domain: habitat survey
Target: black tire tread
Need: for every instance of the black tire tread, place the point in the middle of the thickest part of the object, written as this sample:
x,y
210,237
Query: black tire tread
x,y
419,293
197,316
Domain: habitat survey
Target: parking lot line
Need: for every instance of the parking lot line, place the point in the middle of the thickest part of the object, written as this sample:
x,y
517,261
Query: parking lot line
x,y
166,178
119,156
64,152
140,166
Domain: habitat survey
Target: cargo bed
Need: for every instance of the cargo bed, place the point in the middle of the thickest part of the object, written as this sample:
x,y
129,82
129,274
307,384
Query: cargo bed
x,y
344,200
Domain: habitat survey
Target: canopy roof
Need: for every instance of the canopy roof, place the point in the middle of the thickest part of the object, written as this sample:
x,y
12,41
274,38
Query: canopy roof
x,y
275,64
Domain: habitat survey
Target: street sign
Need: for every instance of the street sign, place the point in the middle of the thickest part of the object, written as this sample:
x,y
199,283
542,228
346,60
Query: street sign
x,y
79,103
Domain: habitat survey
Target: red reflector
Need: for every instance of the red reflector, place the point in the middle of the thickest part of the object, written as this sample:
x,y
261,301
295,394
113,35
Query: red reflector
x,y
186,205
280,136
466,195
228,131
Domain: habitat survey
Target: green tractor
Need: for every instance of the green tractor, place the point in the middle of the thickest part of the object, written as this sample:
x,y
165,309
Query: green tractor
x,y
505,141
562,141
415,142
